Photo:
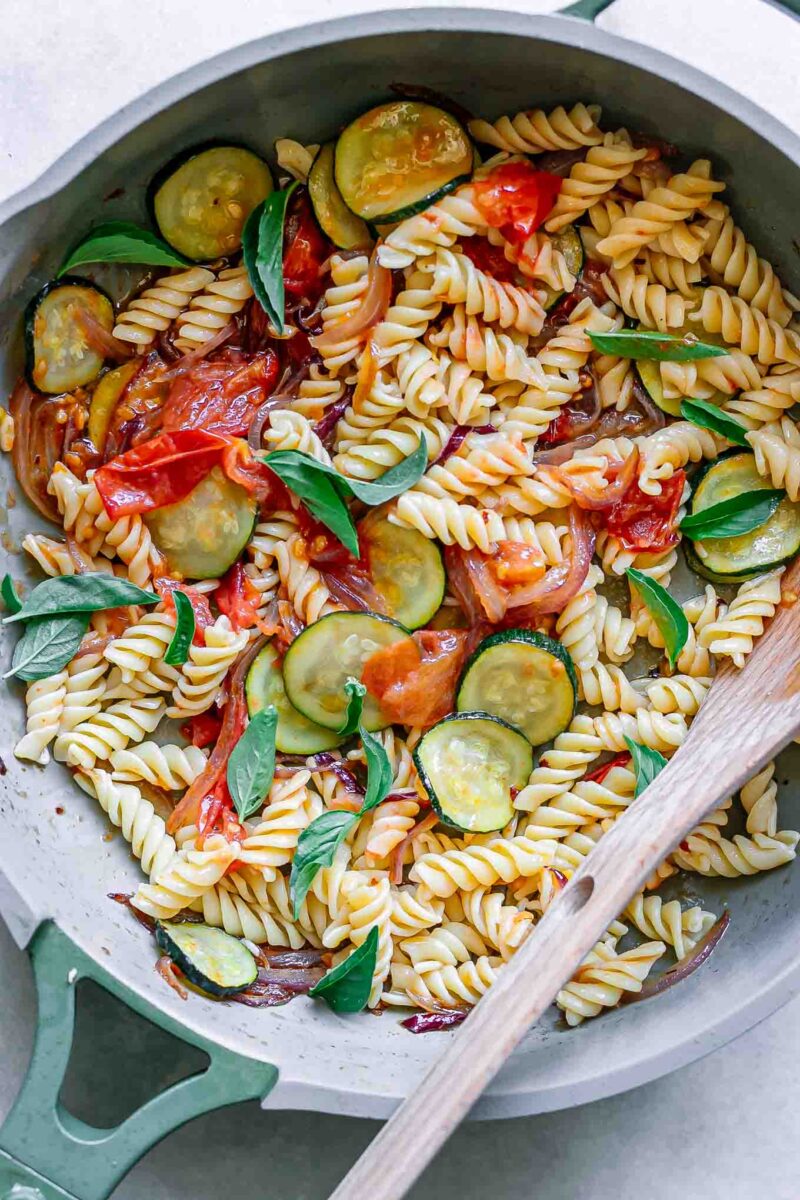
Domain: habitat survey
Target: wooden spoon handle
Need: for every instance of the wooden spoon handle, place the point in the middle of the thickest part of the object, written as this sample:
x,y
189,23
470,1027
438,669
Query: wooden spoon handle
x,y
747,718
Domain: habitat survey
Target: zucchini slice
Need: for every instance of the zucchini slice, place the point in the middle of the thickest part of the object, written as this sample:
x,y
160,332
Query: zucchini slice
x,y
58,354
295,733
212,960
325,655
650,375
568,242
407,571
398,158
344,228
730,560
203,534
105,399
468,763
525,678
201,200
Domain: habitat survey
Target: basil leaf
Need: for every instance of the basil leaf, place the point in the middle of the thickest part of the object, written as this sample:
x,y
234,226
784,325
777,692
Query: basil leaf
x,y
730,518
316,847
178,649
356,693
262,252
251,765
666,612
346,988
122,241
647,764
658,347
8,590
47,645
379,771
81,593
320,493
709,416
395,481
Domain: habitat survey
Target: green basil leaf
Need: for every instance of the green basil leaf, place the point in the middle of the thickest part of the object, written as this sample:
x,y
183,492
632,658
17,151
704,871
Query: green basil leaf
x,y
122,241
356,693
395,481
346,988
262,252
379,771
709,416
178,649
47,645
8,590
647,764
251,765
318,487
666,612
316,847
81,593
659,347
730,518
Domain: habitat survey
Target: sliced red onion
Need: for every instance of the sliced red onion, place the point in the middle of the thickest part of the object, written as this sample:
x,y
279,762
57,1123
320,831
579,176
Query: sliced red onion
x,y
325,427
432,1022
558,586
371,309
99,338
560,162
558,455
398,854
687,965
187,361
596,499
454,442
309,956
166,968
418,91
125,900
263,995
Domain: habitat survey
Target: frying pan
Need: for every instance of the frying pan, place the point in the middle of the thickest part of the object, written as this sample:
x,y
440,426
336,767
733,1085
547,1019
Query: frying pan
x,y
56,867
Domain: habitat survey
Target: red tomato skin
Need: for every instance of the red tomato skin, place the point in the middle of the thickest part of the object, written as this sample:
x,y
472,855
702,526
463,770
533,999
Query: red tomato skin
x,y
202,730
221,394
648,524
237,598
516,198
304,249
489,259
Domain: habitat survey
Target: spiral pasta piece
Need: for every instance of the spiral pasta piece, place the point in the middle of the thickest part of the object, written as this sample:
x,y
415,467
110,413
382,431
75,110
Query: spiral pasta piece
x,y
678,693
605,164
213,308
608,687
268,535
482,865
305,587
503,926
391,444
497,355
652,304
666,205
733,634
746,327
418,378
455,279
739,856
777,454
291,431
225,909
671,448
85,690
666,921
452,523
393,820
112,729
664,732
482,461
407,319
441,224
671,272
44,700
560,766
445,946
202,674
141,826
295,158
603,977
734,262
142,642
759,798
576,626
291,808
583,804
727,373
316,393
544,536
779,390
371,409
170,767
369,906
464,392
534,131
615,633
56,558
413,912
185,877
342,299
159,306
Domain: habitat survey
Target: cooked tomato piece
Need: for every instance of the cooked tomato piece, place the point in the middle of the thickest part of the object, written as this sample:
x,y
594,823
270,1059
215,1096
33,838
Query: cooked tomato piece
x,y
648,523
203,618
516,562
203,729
221,394
304,249
599,773
238,598
489,259
415,679
516,198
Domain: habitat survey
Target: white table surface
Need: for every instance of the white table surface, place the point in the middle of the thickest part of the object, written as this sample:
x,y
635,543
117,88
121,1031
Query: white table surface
x,y
724,1128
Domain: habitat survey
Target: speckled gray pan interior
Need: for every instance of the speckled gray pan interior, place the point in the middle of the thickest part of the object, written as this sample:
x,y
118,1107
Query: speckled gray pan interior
x,y
304,83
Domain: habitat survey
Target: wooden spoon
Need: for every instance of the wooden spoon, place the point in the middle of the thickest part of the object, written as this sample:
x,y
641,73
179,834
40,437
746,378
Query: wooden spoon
x,y
747,717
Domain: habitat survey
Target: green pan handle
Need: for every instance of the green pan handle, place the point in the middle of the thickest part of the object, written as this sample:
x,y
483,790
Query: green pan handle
x,y
45,1152
589,9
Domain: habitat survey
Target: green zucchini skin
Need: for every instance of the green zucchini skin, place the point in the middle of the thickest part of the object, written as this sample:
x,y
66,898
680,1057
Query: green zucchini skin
x,y
210,959
787,513
29,322
337,222
534,649
569,242
174,164
362,144
314,674
295,734
410,598
483,812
